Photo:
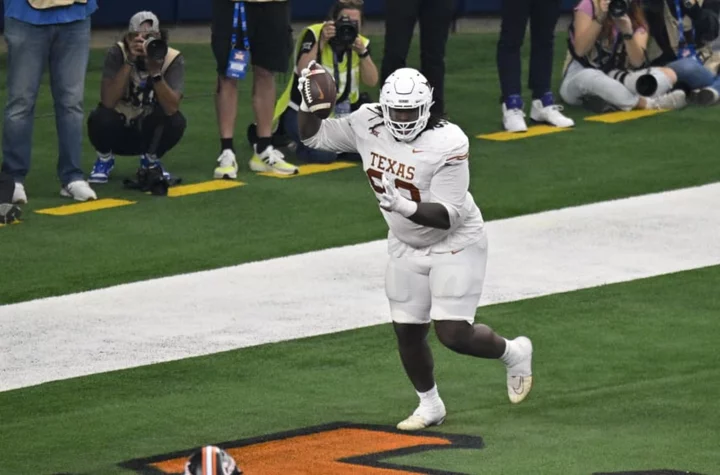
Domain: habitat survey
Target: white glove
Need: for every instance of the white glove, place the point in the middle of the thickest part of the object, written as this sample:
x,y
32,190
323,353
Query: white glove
x,y
302,79
391,199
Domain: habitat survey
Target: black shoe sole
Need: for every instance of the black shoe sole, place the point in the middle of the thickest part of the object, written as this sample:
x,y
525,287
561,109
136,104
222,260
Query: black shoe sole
x,y
703,97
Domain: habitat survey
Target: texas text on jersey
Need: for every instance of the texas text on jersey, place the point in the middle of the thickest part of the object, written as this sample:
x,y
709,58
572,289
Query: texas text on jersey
x,y
431,168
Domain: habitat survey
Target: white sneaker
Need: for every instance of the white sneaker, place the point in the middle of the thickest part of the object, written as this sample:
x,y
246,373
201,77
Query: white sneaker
x,y
227,165
514,120
79,190
424,417
519,375
19,196
670,101
551,114
272,160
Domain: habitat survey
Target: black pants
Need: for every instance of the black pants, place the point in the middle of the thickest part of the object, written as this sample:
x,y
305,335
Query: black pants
x,y
435,17
543,15
108,132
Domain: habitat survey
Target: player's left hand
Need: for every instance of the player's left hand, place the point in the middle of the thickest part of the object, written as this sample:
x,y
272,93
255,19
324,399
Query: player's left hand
x,y
392,201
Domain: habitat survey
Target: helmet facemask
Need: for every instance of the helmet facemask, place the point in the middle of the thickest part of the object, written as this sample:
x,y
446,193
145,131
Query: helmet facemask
x,y
406,123
405,99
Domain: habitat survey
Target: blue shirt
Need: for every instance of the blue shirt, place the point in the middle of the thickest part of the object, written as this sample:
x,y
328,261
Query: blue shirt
x,y
22,11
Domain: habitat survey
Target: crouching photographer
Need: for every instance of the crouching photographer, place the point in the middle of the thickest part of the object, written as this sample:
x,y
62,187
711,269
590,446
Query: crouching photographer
x,y
139,114
605,66
339,47
682,33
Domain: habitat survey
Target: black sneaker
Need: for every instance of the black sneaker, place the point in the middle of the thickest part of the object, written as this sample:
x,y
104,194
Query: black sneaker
x,y
706,96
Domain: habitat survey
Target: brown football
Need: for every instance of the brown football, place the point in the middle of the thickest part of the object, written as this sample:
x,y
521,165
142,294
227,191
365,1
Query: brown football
x,y
320,92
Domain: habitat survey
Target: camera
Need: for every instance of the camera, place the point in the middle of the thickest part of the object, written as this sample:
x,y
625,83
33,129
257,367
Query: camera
x,y
346,30
640,82
618,8
156,48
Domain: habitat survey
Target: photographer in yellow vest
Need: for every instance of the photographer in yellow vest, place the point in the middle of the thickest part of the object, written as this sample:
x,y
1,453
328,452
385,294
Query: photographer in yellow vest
x,y
339,47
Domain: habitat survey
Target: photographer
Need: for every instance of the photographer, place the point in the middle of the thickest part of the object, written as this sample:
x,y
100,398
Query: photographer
x,y
543,16
682,32
256,32
434,18
140,94
52,35
338,46
610,36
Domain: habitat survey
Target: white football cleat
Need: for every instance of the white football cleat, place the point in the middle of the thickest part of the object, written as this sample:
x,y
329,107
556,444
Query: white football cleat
x,y
519,375
551,114
514,120
423,418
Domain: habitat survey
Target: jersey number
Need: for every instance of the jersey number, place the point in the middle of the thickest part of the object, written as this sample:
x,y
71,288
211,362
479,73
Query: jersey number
x,y
375,177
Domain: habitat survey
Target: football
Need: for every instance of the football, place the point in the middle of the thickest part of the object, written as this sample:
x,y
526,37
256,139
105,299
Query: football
x,y
320,92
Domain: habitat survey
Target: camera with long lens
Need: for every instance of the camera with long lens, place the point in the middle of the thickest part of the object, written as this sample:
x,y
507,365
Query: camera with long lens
x,y
618,8
639,82
346,31
156,48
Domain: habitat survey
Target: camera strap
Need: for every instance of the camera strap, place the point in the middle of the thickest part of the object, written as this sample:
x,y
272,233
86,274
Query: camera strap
x,y
683,47
348,79
239,17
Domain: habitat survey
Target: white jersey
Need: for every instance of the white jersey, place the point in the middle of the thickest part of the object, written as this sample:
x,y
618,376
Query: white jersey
x,y
432,168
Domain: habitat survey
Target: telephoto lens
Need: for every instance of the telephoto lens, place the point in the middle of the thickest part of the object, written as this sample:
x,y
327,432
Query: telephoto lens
x,y
156,48
640,82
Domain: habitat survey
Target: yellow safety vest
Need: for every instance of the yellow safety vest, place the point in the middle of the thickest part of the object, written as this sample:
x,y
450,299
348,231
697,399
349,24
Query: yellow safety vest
x,y
133,103
327,61
45,4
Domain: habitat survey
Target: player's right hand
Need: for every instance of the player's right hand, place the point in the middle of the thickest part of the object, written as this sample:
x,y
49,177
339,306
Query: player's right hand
x,y
302,79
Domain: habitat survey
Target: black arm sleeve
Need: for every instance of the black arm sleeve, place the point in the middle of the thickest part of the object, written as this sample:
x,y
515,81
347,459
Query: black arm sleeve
x,y
307,44
432,215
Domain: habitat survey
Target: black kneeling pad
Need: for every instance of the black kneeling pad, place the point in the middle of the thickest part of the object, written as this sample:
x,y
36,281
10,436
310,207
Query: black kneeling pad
x,y
597,105
153,180
8,211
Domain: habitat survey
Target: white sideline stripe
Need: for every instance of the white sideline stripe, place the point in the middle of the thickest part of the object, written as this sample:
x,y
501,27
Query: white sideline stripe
x,y
342,288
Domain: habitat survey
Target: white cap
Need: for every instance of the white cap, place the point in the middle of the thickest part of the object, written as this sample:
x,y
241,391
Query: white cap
x,y
137,20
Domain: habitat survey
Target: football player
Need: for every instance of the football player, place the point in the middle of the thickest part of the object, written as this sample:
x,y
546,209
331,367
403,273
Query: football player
x,y
211,460
417,165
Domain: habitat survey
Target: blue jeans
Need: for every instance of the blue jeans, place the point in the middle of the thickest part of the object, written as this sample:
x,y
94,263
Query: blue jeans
x,y
303,152
65,47
694,75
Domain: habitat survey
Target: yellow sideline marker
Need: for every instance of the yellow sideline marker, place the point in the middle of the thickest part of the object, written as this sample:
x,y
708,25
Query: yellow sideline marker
x,y
531,132
312,169
96,205
204,187
622,116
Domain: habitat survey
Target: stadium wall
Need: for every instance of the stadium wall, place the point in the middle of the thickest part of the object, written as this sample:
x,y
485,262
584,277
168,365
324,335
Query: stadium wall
x,y
113,13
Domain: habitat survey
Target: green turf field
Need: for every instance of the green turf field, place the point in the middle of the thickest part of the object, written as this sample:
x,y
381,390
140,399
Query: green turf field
x,y
627,377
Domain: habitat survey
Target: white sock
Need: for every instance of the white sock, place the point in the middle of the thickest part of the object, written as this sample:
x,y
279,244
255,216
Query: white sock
x,y
105,156
511,355
429,398
152,158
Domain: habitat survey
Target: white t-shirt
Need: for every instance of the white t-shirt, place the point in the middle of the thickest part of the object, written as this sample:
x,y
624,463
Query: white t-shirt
x,y
432,168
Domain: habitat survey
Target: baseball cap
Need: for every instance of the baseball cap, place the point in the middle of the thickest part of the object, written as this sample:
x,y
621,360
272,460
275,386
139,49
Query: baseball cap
x,y
141,17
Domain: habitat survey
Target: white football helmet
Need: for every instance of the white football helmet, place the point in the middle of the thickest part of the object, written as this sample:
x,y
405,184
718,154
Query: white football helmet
x,y
405,99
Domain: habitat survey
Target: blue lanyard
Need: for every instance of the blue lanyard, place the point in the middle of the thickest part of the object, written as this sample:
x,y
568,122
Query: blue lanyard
x,y
239,13
681,28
